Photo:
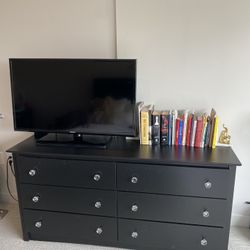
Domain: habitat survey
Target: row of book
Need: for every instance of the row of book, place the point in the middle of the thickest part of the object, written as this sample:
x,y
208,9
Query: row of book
x,y
177,127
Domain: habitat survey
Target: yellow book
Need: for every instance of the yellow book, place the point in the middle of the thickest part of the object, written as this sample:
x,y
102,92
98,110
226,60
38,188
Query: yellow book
x,y
216,123
144,126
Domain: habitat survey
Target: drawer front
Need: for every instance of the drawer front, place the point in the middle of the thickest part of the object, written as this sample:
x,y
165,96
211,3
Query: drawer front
x,y
168,208
188,181
50,226
65,199
142,234
73,173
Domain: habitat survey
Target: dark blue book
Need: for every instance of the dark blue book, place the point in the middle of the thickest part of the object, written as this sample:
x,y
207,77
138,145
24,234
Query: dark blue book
x,y
208,131
180,132
170,129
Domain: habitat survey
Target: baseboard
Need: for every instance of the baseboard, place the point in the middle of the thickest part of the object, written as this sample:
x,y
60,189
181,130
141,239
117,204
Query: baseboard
x,y
238,220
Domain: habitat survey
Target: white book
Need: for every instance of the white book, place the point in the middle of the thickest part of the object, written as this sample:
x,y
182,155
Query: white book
x,y
185,128
193,133
174,116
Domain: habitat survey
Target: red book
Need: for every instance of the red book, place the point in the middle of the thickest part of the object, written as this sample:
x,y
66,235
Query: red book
x,y
189,129
199,130
177,128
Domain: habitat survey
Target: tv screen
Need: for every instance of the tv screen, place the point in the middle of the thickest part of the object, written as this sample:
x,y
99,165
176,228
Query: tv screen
x,y
89,96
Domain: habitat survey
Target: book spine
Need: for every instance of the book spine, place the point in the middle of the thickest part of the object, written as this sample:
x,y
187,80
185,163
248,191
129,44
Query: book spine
x,y
164,129
211,132
215,132
156,129
150,123
198,135
139,107
184,137
208,133
170,129
193,132
140,132
202,145
144,128
181,128
189,128
173,127
177,127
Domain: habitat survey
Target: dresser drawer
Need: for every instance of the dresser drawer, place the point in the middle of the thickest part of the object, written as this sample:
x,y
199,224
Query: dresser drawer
x,y
65,199
190,181
169,236
65,227
75,173
169,208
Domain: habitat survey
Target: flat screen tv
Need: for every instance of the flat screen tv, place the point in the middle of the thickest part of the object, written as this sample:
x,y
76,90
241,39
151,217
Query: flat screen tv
x,y
76,96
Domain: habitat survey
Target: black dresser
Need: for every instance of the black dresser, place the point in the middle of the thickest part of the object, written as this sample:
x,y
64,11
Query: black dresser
x,y
129,196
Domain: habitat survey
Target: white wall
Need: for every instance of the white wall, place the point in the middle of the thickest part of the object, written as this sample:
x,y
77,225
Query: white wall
x,y
195,54
191,54
48,28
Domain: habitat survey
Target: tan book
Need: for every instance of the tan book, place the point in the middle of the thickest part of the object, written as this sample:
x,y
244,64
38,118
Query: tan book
x,y
144,124
184,137
139,107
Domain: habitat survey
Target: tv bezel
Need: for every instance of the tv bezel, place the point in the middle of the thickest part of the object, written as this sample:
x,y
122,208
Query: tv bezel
x,y
133,130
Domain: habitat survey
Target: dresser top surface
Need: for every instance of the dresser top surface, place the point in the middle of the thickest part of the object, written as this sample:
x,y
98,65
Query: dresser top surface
x,y
132,151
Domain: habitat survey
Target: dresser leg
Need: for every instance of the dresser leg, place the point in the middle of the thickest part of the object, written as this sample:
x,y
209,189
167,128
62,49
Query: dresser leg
x,y
26,237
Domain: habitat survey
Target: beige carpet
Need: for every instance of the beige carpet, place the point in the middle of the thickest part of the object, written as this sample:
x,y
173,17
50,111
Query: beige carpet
x,y
10,237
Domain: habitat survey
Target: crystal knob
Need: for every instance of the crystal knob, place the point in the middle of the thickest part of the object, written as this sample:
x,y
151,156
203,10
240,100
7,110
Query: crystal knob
x,y
98,204
35,199
32,172
208,185
134,235
134,180
97,177
205,214
203,242
134,208
99,230
38,224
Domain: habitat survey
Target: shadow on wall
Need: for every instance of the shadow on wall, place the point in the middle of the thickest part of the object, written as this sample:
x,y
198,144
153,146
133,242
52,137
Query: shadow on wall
x,y
10,138
5,97
2,182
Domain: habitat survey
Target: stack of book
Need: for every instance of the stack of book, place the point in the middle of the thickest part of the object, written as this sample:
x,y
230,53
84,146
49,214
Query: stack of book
x,y
177,127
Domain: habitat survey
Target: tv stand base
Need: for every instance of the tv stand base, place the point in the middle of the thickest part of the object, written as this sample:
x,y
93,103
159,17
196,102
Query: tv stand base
x,y
75,140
